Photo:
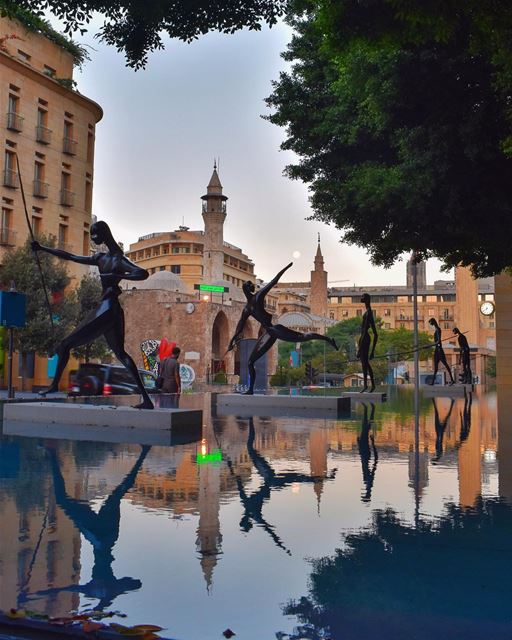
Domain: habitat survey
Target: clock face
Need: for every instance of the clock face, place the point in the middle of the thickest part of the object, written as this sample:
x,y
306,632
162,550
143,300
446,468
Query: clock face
x,y
487,308
190,307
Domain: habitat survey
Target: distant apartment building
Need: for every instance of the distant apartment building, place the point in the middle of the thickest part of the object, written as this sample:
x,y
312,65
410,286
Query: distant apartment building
x,y
197,257
51,128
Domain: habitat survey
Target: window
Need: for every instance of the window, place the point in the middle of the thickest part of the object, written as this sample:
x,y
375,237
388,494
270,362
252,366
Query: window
x,y
10,174
40,187
176,268
387,325
66,195
37,214
48,71
63,235
69,144
446,325
14,121
88,196
344,313
5,228
446,314
387,312
23,56
359,312
162,268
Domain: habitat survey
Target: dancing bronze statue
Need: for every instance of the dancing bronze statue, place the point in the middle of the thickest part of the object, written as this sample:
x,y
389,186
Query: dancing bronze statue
x,y
439,354
108,317
255,308
363,347
464,357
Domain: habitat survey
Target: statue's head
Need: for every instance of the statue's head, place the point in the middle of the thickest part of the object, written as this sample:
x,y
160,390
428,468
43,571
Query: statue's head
x,y
456,331
100,232
248,288
365,298
432,322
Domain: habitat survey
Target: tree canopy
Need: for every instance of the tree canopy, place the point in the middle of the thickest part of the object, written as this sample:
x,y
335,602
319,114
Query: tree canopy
x,y
135,27
21,268
400,115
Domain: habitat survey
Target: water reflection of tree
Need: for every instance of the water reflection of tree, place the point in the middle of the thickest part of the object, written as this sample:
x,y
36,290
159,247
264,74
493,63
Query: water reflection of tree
x,y
394,580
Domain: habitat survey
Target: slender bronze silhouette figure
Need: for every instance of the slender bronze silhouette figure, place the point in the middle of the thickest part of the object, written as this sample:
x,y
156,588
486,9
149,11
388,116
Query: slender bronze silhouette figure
x,y
363,347
101,530
108,317
439,354
366,445
255,308
440,426
464,357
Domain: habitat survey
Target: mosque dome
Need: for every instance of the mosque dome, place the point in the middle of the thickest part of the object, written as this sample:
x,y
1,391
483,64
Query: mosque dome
x,y
235,293
165,280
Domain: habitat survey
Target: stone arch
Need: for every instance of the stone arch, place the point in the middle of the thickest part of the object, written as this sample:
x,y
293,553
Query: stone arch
x,y
220,341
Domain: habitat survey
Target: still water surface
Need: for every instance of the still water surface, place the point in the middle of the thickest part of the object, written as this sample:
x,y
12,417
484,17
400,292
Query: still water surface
x,y
273,527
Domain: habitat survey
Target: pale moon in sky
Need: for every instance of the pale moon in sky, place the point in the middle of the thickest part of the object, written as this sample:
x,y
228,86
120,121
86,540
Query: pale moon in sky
x,y
296,254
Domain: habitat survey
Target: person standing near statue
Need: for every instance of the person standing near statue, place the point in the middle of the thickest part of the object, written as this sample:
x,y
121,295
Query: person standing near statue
x,y
439,354
170,372
464,357
363,347
255,307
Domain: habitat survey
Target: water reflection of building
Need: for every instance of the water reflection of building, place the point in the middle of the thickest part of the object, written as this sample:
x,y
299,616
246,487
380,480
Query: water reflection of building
x,y
173,481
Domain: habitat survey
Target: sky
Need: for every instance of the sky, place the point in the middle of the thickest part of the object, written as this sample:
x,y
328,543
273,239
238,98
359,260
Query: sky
x,y
164,126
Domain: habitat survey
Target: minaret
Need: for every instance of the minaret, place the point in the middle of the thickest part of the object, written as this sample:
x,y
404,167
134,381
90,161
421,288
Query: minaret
x,y
421,274
214,214
318,298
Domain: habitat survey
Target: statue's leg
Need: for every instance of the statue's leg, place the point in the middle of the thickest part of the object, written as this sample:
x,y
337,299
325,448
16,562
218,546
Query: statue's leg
x,y
365,364
436,367
372,379
289,335
83,335
447,367
265,342
115,340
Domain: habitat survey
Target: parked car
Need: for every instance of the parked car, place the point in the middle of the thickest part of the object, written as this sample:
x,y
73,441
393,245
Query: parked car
x,y
108,380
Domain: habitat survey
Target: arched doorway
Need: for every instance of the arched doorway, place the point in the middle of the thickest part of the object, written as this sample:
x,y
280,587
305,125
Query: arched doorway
x,y
220,341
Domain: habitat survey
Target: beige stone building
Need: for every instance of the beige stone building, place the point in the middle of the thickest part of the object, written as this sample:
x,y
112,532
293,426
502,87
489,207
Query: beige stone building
x,y
50,129
198,256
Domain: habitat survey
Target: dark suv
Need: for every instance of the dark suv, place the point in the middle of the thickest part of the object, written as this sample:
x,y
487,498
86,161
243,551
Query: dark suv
x,y
108,380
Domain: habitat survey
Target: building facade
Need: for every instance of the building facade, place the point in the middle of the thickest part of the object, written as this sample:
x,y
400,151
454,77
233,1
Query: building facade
x,y
49,129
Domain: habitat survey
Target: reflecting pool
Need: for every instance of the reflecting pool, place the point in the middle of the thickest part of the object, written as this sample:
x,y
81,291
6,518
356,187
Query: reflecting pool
x,y
381,525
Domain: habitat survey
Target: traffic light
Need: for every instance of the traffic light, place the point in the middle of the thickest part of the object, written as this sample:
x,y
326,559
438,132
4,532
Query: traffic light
x,y
311,372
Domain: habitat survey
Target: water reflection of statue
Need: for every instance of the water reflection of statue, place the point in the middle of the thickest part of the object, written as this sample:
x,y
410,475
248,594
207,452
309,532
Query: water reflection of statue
x,y
363,347
255,308
465,418
366,445
253,503
440,426
101,530
108,318
439,354
465,357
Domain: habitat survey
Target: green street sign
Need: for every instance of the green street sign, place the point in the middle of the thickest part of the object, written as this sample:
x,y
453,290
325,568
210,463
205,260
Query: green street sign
x,y
211,287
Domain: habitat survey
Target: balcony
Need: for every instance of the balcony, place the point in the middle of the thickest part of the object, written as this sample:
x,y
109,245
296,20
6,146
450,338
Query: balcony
x,y
11,178
69,146
43,134
40,189
67,198
14,121
7,237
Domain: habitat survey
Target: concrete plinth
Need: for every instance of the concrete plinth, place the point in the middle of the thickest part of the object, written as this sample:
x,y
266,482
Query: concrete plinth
x,y
455,391
357,396
233,403
85,415
118,435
